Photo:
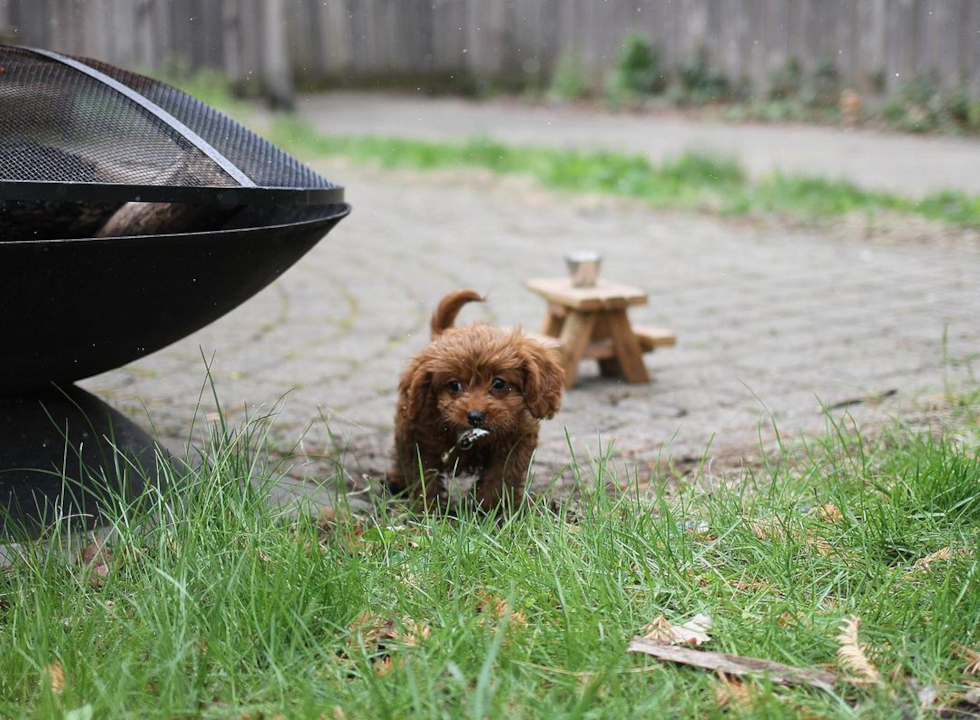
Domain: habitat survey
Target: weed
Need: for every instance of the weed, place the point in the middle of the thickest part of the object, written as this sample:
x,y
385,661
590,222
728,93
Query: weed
x,y
700,82
568,82
785,82
638,70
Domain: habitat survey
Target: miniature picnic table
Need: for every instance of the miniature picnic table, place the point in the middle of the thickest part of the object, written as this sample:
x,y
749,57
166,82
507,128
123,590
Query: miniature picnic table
x,y
591,322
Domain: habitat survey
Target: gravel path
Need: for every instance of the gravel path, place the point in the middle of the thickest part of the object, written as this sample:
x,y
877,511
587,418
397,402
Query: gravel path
x,y
771,323
908,164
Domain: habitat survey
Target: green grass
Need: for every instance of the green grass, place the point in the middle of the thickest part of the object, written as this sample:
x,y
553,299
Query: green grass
x,y
217,605
690,181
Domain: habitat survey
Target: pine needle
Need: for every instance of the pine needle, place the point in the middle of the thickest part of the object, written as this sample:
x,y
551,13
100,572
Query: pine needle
x,y
852,658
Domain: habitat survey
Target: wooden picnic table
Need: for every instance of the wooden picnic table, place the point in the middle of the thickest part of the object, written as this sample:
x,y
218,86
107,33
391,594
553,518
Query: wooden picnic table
x,y
591,322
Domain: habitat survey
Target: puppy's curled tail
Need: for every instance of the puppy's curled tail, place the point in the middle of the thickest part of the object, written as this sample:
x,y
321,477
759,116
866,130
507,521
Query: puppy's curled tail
x,y
449,307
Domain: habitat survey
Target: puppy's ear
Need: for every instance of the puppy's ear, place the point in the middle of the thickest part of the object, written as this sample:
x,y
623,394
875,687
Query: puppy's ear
x,y
413,388
544,380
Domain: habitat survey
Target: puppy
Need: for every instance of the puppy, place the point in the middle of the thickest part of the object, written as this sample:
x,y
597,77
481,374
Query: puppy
x,y
471,402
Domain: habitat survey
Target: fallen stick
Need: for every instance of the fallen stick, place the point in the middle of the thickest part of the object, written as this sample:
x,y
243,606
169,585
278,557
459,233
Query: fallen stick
x,y
873,398
734,664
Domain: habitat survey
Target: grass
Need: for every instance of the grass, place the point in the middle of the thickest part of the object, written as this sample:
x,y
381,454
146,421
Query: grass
x,y
211,603
691,181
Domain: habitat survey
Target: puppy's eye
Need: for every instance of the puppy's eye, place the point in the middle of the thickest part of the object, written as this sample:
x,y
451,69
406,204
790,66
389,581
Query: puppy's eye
x,y
455,386
499,384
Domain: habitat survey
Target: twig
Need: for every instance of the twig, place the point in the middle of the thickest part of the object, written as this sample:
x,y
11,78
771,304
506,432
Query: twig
x,y
735,664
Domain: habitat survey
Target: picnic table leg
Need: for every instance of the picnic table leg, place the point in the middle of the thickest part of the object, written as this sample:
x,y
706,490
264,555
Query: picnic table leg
x,y
608,367
626,347
575,337
554,319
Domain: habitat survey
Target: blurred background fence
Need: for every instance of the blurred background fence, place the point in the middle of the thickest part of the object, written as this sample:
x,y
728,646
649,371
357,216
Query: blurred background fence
x,y
871,45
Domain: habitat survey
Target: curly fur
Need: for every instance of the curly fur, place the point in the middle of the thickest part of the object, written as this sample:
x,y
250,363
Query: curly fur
x,y
510,378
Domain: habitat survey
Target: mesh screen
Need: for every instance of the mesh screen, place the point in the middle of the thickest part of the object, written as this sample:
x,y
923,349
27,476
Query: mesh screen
x,y
60,125
263,162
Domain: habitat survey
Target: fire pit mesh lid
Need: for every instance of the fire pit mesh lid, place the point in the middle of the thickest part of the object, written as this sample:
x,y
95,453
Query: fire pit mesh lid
x,y
68,122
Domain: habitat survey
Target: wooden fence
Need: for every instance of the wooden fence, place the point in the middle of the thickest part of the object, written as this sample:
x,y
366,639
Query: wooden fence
x,y
514,42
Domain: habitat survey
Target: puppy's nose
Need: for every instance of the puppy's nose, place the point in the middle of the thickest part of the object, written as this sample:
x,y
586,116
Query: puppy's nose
x,y
476,417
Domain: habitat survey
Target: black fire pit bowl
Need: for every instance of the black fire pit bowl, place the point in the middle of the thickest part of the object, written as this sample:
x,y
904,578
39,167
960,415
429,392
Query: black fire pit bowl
x,y
131,215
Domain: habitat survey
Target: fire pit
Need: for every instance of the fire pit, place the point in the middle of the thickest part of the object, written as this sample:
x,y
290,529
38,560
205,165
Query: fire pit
x,y
131,214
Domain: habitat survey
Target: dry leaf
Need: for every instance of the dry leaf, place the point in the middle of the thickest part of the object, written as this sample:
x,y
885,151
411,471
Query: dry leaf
x,y
754,586
56,677
491,604
385,666
790,618
492,609
372,628
945,555
411,633
851,655
699,530
693,577
658,630
829,513
693,632
767,530
733,693
971,656
327,517
95,556
338,526
734,664
819,543
335,713
382,633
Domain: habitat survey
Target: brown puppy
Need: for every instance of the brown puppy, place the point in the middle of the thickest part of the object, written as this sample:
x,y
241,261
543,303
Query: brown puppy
x,y
471,401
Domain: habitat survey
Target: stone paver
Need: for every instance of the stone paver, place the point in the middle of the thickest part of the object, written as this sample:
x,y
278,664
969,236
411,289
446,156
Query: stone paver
x,y
902,163
771,323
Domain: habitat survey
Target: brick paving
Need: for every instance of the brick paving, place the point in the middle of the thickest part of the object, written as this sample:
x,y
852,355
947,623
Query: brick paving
x,y
771,323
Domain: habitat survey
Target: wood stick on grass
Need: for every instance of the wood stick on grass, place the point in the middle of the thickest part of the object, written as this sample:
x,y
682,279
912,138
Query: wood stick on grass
x,y
735,664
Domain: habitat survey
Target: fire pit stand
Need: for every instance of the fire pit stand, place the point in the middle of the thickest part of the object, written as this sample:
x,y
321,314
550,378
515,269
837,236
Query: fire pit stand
x,y
131,215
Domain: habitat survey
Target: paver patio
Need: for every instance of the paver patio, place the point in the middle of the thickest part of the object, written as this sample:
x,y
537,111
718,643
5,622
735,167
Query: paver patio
x,y
770,322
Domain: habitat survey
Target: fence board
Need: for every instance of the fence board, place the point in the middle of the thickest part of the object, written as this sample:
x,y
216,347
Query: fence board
x,y
946,31
846,24
448,35
517,40
970,62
